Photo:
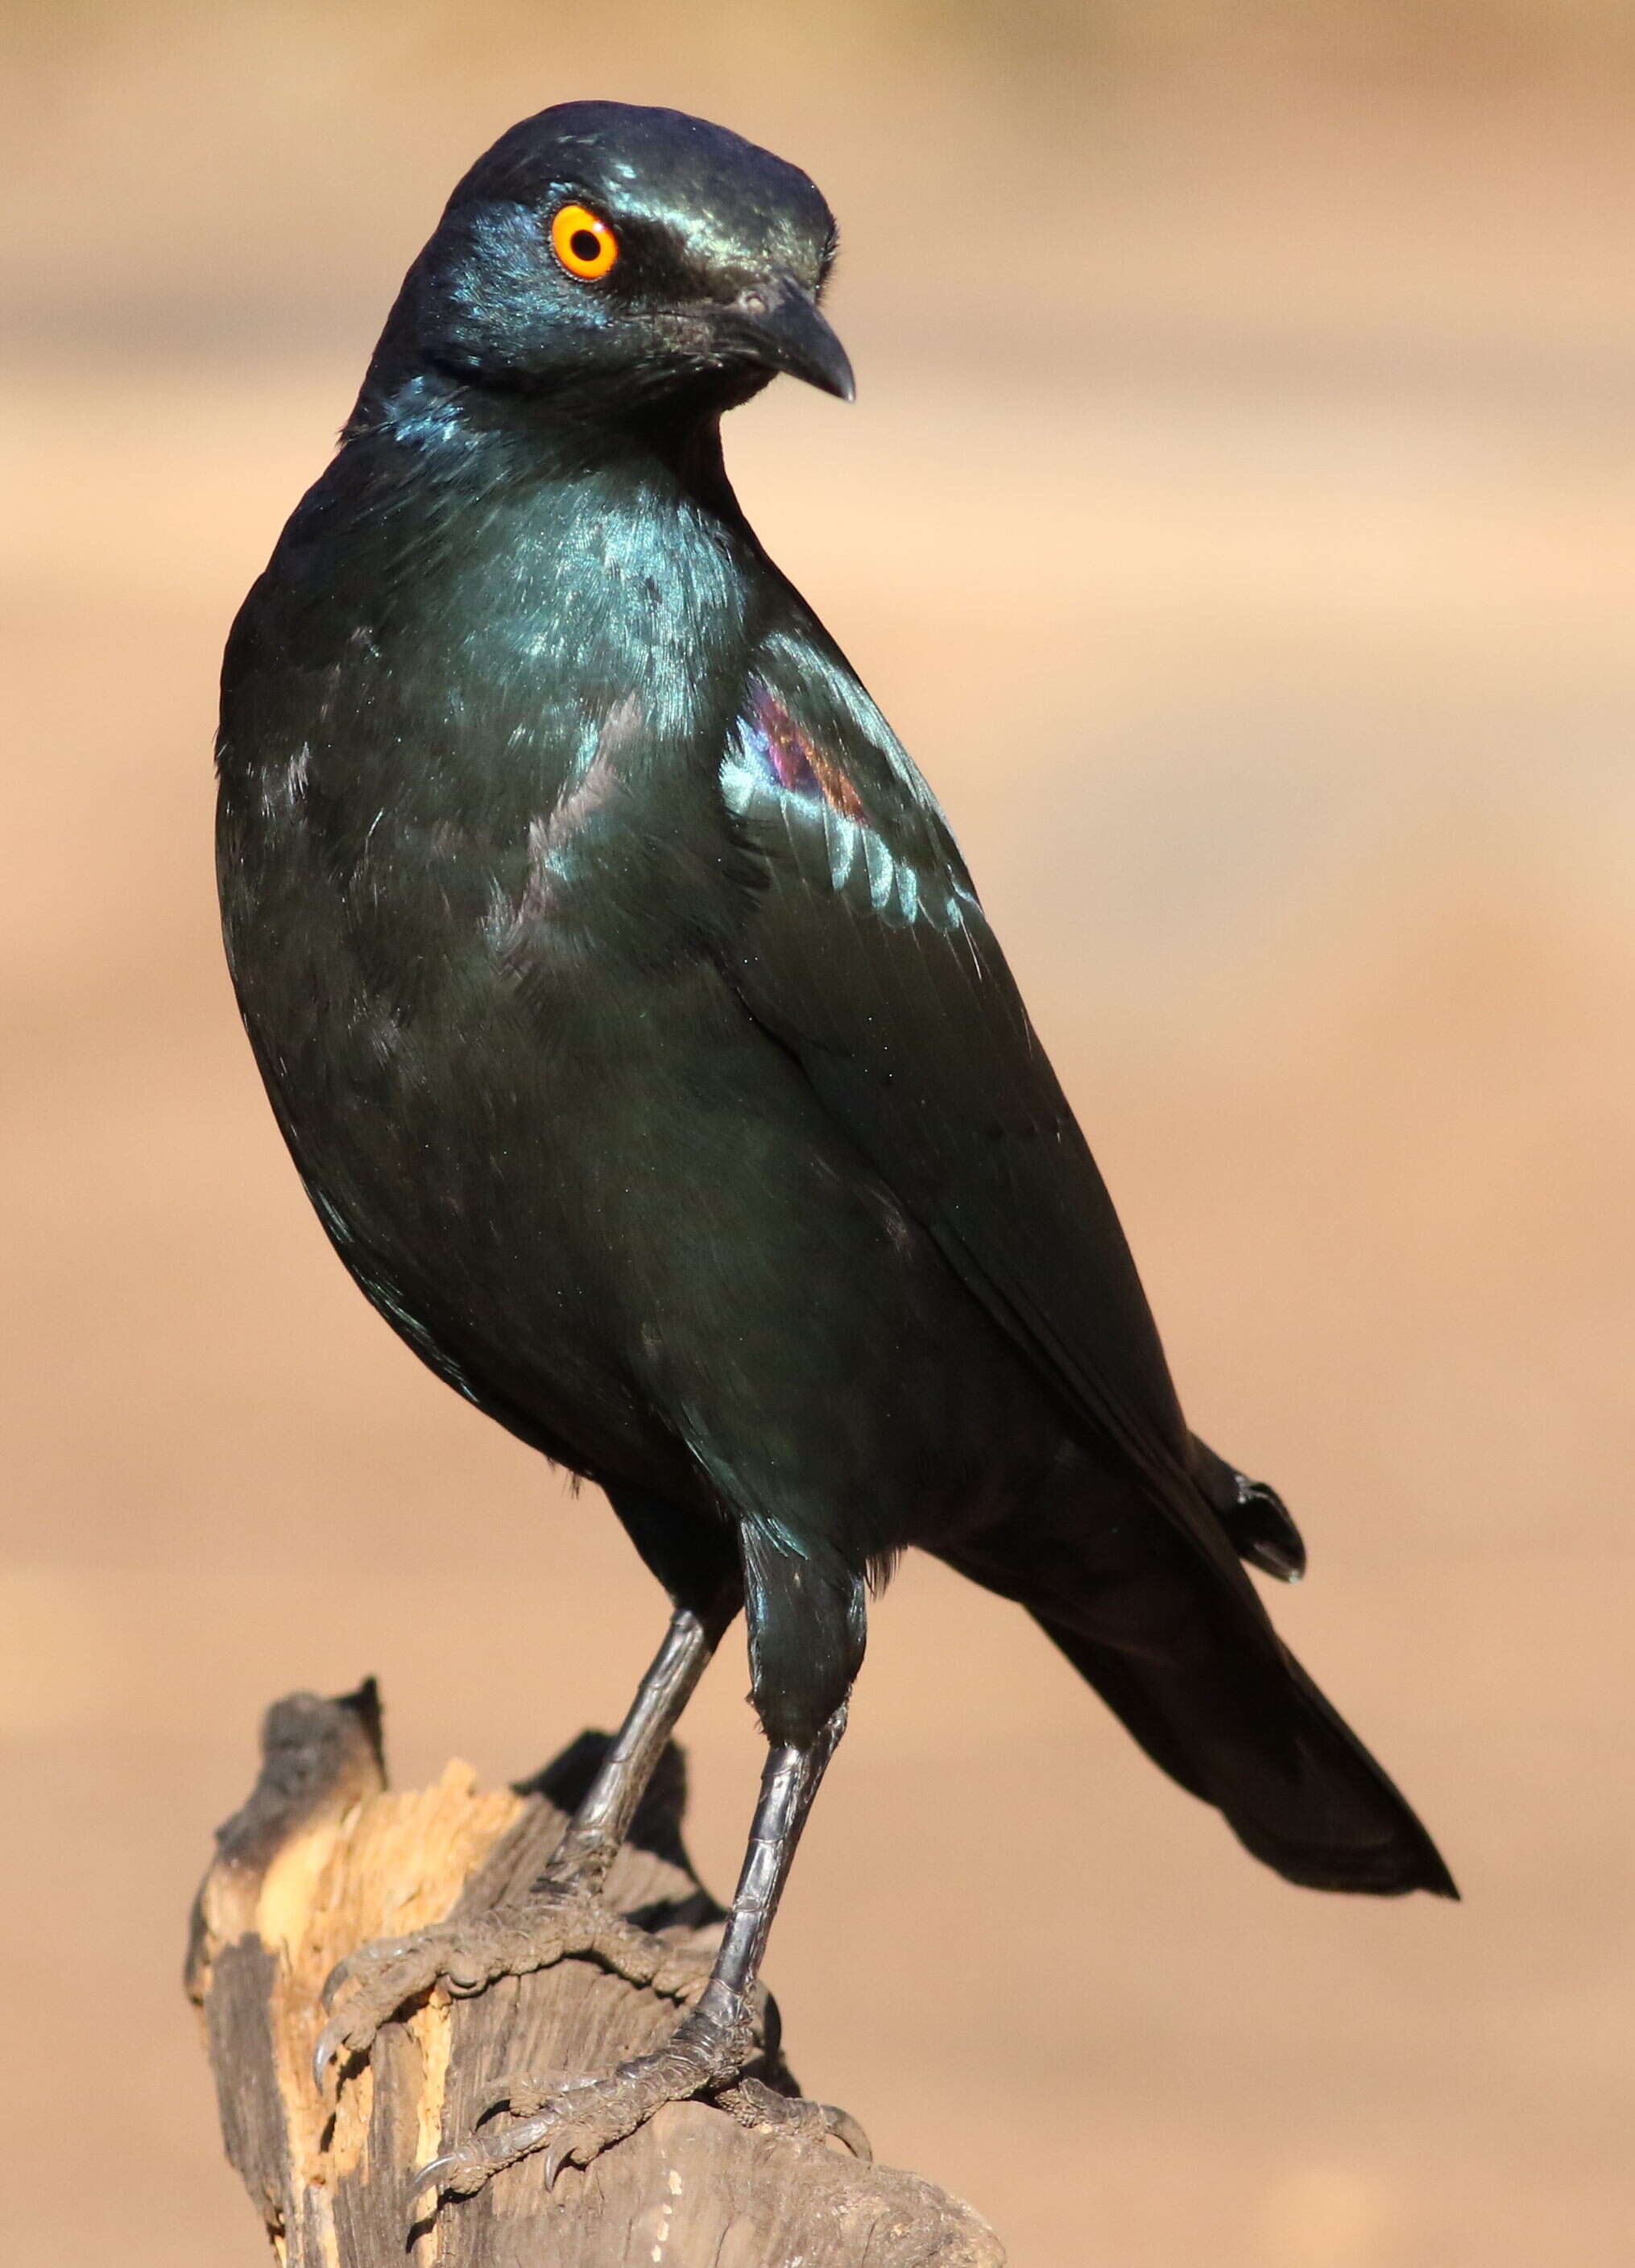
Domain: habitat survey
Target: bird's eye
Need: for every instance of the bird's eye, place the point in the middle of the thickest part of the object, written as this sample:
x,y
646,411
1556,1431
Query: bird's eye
x,y
583,243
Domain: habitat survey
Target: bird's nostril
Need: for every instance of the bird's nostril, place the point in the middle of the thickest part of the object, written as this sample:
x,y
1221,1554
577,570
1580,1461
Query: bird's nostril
x,y
753,303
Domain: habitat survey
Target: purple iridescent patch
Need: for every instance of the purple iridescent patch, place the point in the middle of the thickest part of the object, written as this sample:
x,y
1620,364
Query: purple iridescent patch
x,y
788,757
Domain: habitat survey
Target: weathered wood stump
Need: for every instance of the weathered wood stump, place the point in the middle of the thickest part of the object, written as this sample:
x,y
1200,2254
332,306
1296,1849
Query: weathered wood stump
x,y
323,1858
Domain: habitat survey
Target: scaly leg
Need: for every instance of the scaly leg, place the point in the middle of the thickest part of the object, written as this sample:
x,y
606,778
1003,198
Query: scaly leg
x,y
711,2048
563,1913
596,1832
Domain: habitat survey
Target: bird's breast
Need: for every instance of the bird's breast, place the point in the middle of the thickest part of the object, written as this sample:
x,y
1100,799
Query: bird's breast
x,y
486,738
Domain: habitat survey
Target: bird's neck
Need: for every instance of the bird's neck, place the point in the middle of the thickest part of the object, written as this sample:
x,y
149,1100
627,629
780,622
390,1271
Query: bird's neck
x,y
439,427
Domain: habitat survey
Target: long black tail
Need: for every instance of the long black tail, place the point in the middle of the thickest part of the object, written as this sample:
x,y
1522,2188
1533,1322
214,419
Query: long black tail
x,y
1178,1644
1294,1783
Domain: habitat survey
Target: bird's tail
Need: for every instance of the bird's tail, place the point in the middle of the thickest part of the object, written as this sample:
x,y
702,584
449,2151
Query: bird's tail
x,y
1177,1643
1259,1741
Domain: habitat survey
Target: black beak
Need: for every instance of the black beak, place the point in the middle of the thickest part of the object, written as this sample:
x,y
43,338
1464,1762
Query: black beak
x,y
777,326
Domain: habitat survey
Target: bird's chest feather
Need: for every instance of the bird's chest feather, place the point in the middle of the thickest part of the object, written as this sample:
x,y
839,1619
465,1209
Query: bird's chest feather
x,y
470,766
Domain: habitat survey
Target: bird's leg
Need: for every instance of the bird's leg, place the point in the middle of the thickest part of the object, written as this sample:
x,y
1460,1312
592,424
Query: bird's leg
x,y
712,2047
563,1913
597,1829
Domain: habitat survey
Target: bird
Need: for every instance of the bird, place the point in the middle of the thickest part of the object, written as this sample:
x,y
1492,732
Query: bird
x,y
639,1036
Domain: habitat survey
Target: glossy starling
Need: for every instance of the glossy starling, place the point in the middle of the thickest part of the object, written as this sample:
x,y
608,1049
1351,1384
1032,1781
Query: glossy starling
x,y
641,1041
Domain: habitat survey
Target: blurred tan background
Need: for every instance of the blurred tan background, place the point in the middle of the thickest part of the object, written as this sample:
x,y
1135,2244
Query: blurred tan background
x,y
1236,520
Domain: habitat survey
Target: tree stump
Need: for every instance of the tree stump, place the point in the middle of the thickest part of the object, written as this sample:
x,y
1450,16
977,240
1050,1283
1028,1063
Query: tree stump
x,y
324,1857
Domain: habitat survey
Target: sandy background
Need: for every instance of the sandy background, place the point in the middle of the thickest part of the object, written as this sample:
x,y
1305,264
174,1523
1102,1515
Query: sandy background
x,y
1237,521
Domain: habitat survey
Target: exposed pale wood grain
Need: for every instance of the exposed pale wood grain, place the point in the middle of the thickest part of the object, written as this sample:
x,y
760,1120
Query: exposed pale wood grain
x,y
322,1858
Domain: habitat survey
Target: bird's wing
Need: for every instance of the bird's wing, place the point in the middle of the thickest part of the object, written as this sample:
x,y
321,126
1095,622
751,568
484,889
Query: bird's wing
x,y
867,954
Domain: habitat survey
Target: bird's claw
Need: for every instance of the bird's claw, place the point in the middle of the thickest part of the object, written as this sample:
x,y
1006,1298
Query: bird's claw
x,y
335,2042
559,2153
573,2122
462,2172
753,2104
368,1989
378,1982
323,2056
445,2176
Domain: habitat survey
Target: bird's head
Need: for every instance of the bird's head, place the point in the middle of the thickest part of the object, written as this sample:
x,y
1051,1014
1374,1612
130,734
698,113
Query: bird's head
x,y
612,258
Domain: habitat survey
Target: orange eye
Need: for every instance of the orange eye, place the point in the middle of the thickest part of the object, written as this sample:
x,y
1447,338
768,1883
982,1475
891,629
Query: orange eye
x,y
583,243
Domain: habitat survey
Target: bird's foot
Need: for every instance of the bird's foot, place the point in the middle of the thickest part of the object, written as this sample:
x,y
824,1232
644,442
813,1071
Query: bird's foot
x,y
379,1981
753,2104
574,2121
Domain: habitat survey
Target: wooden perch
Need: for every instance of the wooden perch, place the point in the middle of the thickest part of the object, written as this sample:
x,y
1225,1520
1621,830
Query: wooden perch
x,y
323,1858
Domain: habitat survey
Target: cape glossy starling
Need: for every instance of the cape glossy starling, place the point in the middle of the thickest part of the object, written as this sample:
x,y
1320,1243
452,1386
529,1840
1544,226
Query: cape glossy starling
x,y
641,1041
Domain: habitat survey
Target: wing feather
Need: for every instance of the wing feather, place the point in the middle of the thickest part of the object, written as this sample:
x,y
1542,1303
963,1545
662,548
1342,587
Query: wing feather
x,y
867,954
